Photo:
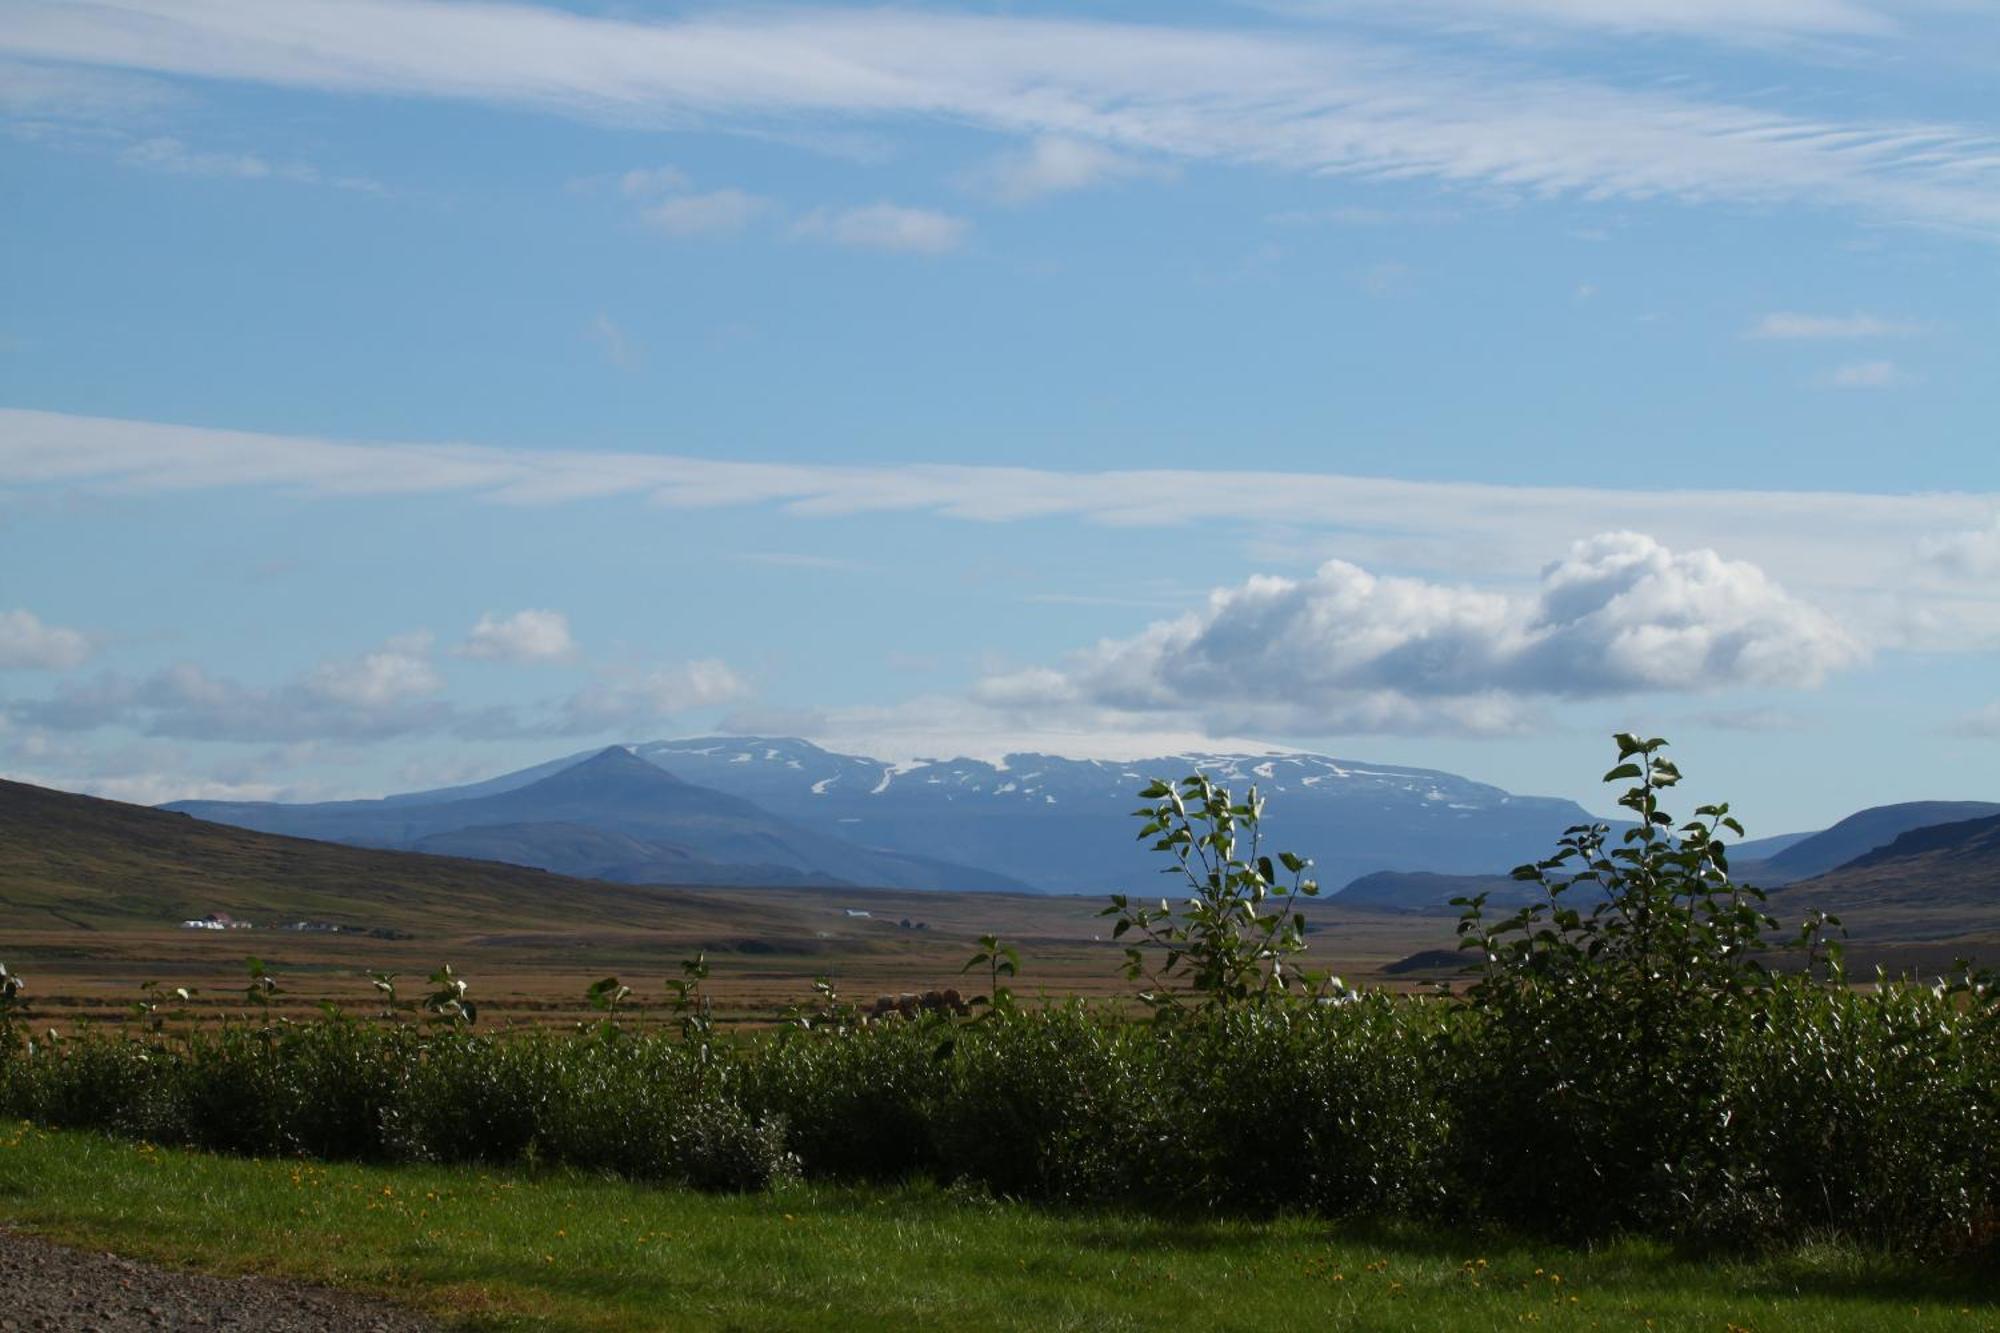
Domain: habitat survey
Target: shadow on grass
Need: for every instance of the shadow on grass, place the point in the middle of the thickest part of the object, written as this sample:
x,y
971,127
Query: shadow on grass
x,y
1830,1272
1881,1278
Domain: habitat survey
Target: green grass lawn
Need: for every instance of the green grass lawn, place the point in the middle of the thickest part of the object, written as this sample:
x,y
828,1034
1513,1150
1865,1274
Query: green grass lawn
x,y
506,1249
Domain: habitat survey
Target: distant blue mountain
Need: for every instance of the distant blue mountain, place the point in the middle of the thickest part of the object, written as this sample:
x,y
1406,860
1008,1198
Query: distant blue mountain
x,y
777,810
608,815
1065,825
1863,832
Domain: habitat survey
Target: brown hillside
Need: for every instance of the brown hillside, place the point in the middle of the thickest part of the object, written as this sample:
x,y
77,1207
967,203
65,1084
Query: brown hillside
x,y
1930,883
89,864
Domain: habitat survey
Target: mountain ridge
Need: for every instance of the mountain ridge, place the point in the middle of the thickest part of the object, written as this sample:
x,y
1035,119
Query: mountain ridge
x,y
1942,879
1862,832
1064,824
678,832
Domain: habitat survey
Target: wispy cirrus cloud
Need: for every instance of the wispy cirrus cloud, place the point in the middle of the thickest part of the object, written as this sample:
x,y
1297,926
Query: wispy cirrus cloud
x,y
38,94
377,696
833,564
1723,20
1864,375
1303,101
172,156
119,113
393,691
1792,326
1848,543
618,347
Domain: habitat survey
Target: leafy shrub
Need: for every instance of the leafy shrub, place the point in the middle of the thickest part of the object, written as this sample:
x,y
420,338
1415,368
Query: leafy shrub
x,y
1627,1060
1871,1114
1343,1099
856,1107
1059,1103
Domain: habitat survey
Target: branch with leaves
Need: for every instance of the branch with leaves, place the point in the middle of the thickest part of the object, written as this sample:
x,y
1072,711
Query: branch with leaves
x,y
1237,938
152,997
605,996
690,1000
262,987
448,1002
1000,960
1655,911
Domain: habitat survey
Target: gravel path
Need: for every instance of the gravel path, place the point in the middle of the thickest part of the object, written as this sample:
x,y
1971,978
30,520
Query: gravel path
x,y
48,1287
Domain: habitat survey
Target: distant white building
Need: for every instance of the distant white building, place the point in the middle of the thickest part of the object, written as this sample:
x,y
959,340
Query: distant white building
x,y
215,921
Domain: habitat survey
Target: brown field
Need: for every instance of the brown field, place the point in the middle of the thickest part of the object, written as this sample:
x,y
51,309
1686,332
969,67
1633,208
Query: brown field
x,y
765,947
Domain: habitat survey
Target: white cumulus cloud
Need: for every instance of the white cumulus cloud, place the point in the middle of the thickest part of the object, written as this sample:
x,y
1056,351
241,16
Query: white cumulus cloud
x,y
1985,722
526,636
714,213
646,182
886,227
390,691
398,672
1054,164
1346,650
26,641
1973,553
638,698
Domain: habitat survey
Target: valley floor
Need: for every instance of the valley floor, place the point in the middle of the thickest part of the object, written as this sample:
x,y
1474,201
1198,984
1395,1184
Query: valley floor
x,y
507,1250
765,947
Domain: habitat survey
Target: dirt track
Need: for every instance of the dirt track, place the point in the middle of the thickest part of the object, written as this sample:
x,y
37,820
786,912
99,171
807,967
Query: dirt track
x,y
48,1287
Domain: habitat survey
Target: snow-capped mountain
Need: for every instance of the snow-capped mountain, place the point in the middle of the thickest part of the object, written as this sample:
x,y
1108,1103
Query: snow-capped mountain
x,y
1064,825
607,815
1031,820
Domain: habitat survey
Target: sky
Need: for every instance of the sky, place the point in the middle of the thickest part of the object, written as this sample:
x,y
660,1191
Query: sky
x,y
398,392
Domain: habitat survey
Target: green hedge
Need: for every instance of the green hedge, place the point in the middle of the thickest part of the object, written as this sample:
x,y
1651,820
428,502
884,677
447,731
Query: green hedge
x,y
1873,1115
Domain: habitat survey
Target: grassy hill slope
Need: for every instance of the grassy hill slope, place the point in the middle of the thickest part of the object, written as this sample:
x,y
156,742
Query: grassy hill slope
x,y
1863,832
1940,879
79,862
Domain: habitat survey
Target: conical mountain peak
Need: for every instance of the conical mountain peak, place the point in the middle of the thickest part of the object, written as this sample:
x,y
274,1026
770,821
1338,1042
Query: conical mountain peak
x,y
614,763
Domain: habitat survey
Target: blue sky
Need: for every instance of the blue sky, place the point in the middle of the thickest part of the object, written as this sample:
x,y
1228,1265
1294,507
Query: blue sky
x,y
398,392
